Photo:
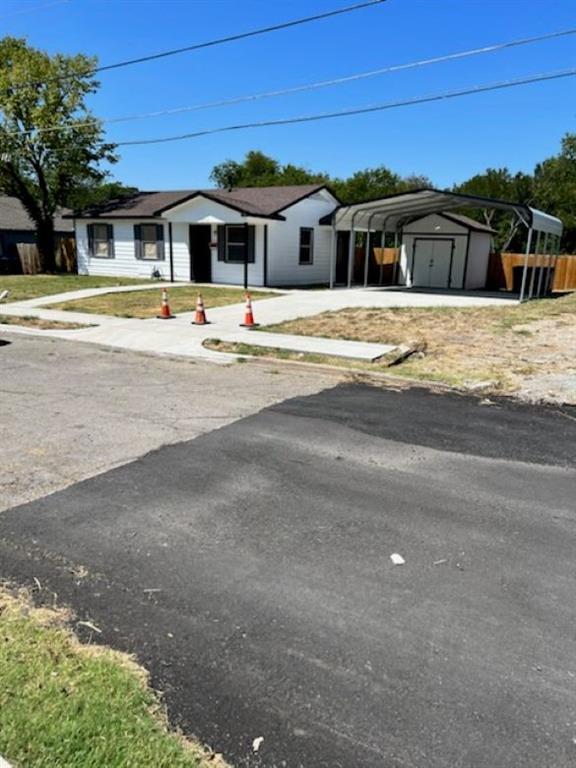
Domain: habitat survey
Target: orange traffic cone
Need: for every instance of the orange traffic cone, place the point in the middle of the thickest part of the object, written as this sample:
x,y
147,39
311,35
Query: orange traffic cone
x,y
200,316
248,315
165,313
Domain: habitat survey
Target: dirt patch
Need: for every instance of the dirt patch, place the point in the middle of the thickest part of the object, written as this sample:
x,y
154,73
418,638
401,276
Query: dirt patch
x,y
499,347
28,321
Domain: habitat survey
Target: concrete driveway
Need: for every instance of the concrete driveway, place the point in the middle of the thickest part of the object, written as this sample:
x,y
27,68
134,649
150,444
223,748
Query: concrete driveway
x,y
249,569
178,337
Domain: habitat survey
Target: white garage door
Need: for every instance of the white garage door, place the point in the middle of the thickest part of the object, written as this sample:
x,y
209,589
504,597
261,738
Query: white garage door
x,y
432,260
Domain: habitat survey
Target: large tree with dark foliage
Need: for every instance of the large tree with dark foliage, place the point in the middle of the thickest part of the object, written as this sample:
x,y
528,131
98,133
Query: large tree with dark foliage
x,y
260,170
50,142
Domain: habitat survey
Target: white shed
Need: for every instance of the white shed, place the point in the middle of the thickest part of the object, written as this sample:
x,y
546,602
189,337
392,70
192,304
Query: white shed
x,y
445,250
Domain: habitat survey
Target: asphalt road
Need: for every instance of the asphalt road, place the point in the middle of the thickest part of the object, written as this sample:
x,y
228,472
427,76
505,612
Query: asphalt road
x,y
249,569
69,410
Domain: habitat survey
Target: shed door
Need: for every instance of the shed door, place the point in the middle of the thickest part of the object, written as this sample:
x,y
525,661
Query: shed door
x,y
432,262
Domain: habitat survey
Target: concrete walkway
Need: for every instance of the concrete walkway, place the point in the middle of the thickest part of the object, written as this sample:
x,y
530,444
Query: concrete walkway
x,y
179,337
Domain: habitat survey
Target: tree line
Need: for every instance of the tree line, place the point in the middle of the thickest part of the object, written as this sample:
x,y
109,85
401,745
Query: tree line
x,y
551,187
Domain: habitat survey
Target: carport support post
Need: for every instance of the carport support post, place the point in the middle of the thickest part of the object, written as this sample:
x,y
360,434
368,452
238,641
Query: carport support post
x,y
533,275
351,250
525,271
367,254
547,285
384,225
333,252
396,265
541,269
555,253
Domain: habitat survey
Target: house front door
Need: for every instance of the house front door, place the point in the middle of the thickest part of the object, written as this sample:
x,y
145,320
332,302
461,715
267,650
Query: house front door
x,y
200,253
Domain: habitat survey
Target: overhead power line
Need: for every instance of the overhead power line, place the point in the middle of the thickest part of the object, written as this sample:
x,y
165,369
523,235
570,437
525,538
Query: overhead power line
x,y
33,8
241,35
215,42
542,77
309,86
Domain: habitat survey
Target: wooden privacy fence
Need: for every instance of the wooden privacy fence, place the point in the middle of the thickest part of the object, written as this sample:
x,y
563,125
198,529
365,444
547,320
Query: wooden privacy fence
x,y
505,271
65,256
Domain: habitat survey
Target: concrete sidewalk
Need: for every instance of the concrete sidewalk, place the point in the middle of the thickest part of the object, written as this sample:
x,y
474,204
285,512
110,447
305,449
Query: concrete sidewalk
x,y
179,337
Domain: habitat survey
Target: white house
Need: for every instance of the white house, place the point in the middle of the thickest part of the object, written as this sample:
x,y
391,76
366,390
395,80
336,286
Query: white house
x,y
272,233
301,235
445,250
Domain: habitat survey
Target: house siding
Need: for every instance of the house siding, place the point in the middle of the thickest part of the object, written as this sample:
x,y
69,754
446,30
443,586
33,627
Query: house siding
x,y
284,243
478,258
124,263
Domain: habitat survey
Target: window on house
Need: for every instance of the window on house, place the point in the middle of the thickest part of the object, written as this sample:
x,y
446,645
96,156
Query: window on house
x,y
101,241
235,243
149,241
306,254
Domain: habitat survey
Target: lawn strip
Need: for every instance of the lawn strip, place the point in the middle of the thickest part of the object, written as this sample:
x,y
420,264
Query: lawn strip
x,y
22,287
69,705
146,304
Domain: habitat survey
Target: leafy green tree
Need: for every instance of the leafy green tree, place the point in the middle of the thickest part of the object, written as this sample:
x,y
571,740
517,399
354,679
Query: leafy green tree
x,y
260,170
555,188
256,170
92,193
500,184
49,141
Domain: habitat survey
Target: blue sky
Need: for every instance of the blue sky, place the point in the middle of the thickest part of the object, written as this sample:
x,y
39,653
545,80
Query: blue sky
x,y
448,141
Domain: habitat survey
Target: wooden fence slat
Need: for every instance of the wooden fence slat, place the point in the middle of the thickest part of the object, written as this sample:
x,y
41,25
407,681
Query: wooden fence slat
x,y
502,265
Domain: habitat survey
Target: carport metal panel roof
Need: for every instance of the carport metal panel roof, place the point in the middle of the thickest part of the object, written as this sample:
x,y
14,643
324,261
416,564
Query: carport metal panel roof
x,y
389,211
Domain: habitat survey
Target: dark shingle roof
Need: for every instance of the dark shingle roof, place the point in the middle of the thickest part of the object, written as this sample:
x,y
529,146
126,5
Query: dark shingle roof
x,y
256,201
13,216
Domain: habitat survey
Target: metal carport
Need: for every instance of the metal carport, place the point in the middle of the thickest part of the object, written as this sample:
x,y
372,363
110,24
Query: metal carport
x,y
387,214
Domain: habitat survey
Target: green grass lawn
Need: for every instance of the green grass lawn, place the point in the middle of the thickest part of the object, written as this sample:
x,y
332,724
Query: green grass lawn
x,y
23,287
67,705
146,304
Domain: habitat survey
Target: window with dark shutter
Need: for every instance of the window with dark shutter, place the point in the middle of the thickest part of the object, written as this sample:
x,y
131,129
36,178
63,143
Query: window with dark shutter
x,y
101,241
239,244
149,242
221,242
306,252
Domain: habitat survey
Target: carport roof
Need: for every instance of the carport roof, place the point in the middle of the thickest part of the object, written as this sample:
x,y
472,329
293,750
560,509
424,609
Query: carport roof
x,y
390,210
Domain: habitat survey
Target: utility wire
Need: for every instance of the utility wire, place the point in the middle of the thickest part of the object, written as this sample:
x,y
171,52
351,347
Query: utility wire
x,y
360,110
33,8
212,43
308,86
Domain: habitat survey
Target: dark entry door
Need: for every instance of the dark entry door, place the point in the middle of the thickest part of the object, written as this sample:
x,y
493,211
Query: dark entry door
x,y
200,253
